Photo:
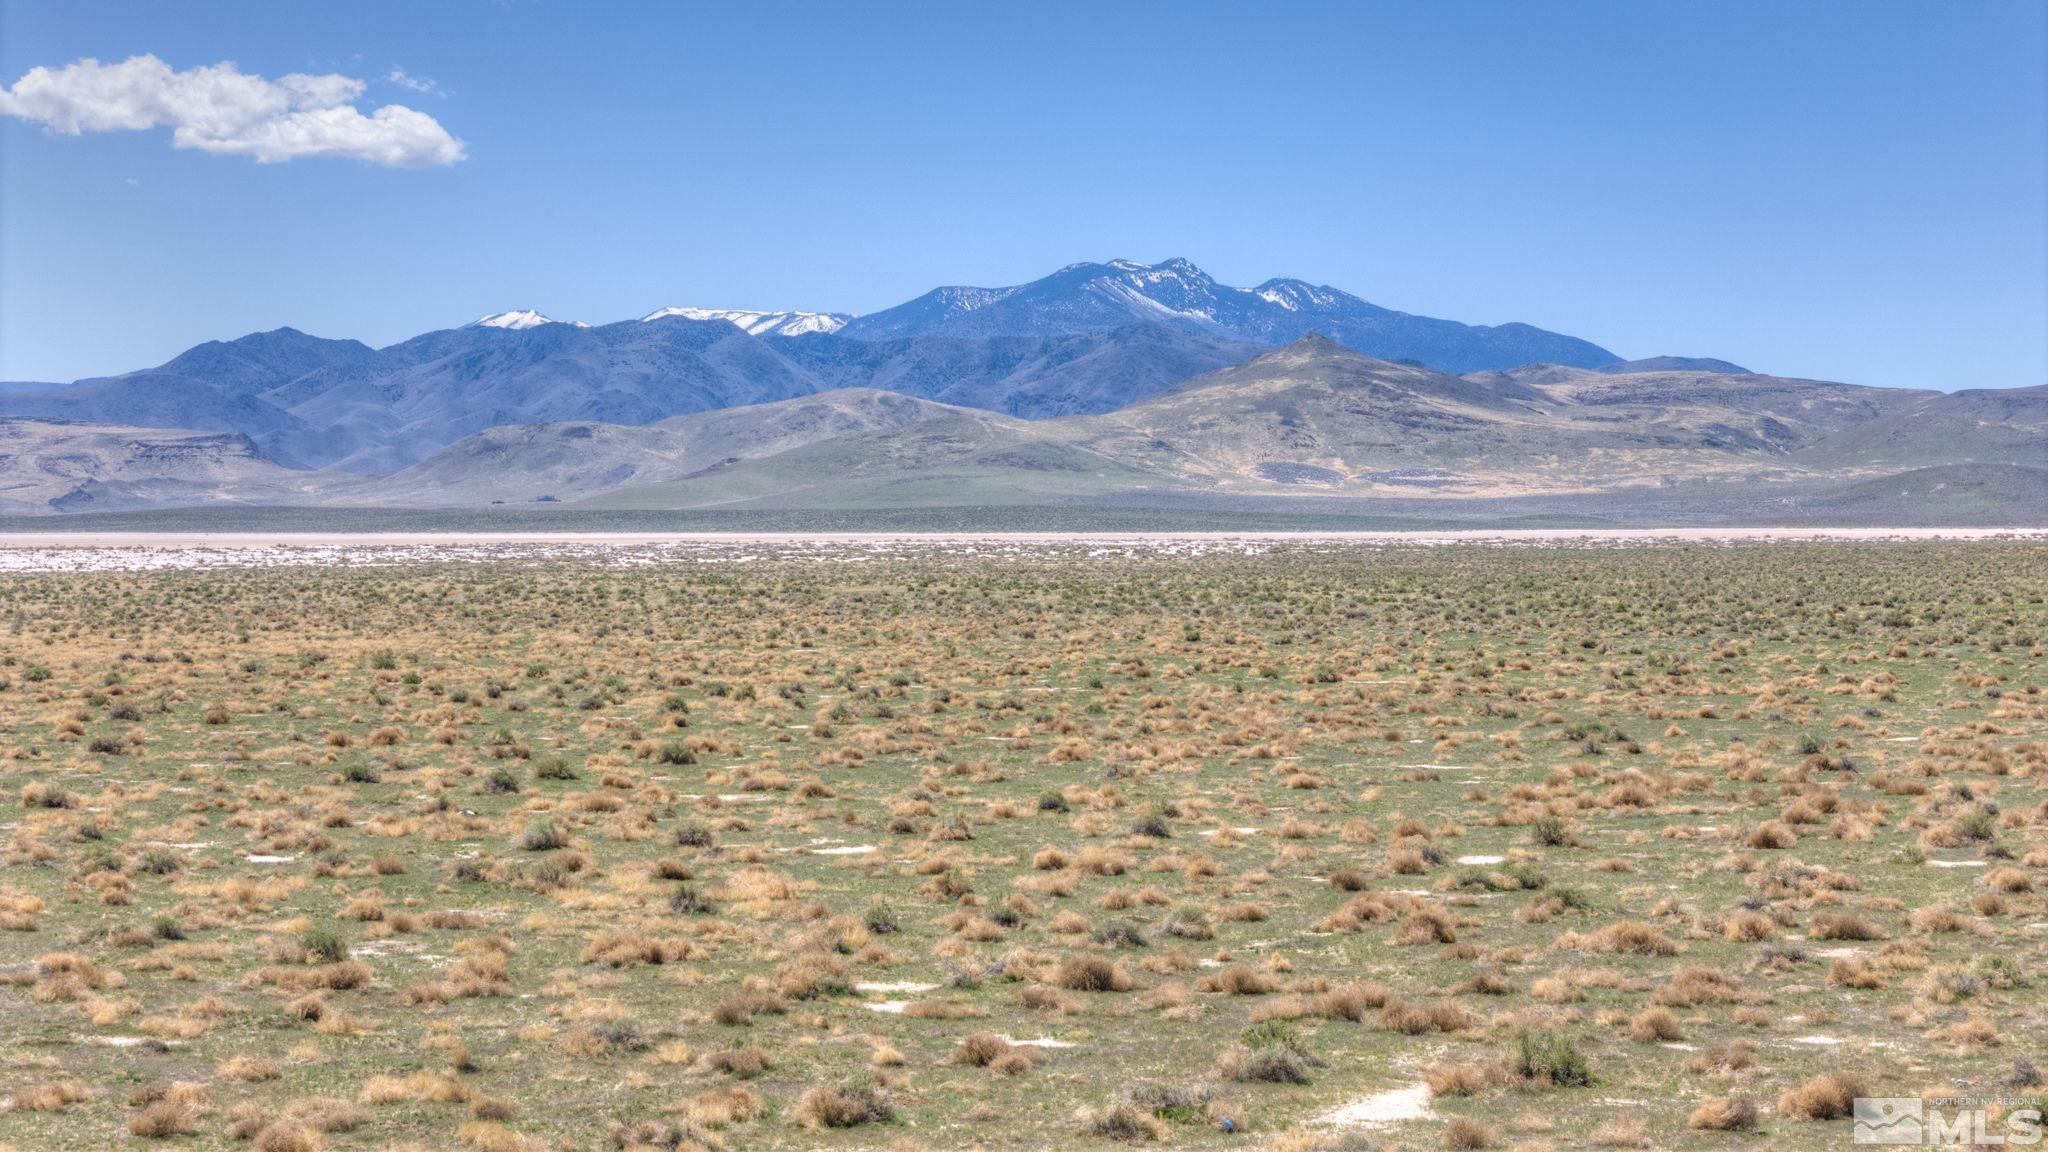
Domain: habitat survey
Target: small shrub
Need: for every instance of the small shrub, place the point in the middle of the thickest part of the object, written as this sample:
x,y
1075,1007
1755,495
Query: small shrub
x,y
881,920
1773,834
1724,1114
1829,1096
744,1063
1126,1123
1844,926
324,945
988,1050
1412,1019
1269,1066
1455,1079
51,1097
1654,1024
543,836
1552,1058
1349,880
1270,1052
842,1106
1238,980
1153,825
164,1119
1119,935
554,768
1091,974
1463,1132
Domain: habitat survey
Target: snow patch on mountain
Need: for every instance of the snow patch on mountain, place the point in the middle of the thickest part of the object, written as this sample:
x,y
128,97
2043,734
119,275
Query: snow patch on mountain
x,y
1296,295
970,299
1149,307
788,323
1174,271
520,318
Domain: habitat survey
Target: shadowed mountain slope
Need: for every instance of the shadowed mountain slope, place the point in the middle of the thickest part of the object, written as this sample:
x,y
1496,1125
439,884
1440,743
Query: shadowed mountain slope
x,y
571,460
1311,417
78,466
1096,297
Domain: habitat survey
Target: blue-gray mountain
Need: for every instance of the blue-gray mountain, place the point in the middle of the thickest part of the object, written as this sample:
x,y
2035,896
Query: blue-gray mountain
x,y
1101,382
1099,297
1035,377
1091,338
1309,418
1312,420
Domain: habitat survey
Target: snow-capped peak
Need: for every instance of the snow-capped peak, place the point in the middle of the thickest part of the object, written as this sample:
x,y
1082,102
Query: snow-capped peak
x,y
761,323
520,318
1297,295
1175,269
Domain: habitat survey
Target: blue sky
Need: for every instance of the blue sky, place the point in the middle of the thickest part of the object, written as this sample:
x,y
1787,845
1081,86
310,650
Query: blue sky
x,y
1853,191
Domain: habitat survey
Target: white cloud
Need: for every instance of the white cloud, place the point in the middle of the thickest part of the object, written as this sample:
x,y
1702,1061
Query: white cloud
x,y
424,85
223,110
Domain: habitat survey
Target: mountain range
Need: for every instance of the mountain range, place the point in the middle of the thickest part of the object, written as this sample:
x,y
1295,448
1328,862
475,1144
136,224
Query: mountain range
x,y
1089,338
1111,381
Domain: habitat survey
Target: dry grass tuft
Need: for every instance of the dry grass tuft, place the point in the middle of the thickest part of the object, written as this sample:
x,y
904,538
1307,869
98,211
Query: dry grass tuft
x,y
1464,1132
1828,1096
1092,974
842,1106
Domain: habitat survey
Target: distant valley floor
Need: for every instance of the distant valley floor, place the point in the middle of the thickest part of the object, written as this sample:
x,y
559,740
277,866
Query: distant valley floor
x,y
1998,498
